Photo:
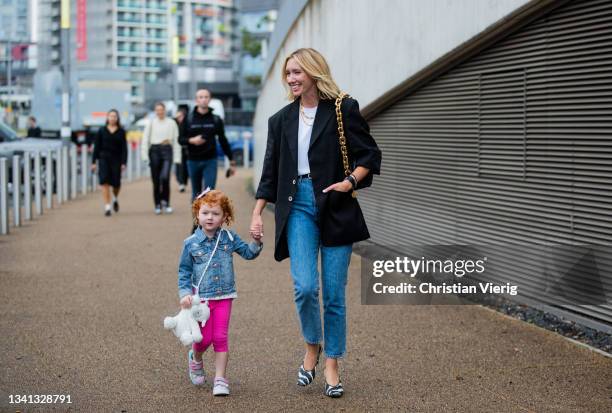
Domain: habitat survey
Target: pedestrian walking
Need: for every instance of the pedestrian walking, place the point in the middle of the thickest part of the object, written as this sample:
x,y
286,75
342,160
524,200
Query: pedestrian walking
x,y
181,168
313,189
110,159
160,148
206,269
202,128
33,129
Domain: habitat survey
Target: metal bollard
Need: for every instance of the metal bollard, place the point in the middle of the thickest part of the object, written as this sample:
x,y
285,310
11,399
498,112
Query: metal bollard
x,y
16,191
130,162
49,179
58,177
146,168
138,161
65,166
37,184
245,154
94,181
73,172
4,215
27,186
84,169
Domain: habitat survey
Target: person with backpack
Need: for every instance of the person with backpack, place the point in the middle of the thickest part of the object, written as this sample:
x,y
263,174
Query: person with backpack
x,y
201,130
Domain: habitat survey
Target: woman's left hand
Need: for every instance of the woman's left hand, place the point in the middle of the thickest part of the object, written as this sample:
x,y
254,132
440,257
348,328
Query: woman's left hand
x,y
343,186
123,167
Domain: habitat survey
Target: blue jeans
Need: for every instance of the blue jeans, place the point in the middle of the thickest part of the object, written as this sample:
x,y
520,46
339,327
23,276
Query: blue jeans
x,y
202,174
304,244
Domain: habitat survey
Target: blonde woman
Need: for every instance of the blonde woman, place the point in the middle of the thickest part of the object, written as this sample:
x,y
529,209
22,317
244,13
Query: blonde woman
x,y
304,176
160,147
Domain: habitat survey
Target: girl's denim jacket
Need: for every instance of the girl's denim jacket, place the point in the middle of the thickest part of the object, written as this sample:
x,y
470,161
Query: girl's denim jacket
x,y
219,278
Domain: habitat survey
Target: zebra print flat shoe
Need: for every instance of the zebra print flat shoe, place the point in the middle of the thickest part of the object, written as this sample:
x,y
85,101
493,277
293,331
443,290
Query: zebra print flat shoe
x,y
305,377
334,391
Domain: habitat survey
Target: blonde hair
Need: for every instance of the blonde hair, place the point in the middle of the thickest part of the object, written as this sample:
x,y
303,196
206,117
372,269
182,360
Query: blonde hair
x,y
315,66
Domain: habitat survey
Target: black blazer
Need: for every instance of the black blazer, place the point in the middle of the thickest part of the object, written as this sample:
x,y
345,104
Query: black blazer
x,y
278,182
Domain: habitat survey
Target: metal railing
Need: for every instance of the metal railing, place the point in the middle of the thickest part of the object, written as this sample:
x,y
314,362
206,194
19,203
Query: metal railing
x,y
56,175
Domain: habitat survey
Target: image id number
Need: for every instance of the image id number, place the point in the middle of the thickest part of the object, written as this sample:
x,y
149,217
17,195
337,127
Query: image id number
x,y
39,398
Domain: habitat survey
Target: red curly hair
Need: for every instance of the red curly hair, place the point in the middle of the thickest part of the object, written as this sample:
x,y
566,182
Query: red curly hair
x,y
212,198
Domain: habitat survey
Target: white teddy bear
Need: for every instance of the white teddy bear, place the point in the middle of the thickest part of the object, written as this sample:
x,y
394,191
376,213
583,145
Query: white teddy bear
x,y
185,326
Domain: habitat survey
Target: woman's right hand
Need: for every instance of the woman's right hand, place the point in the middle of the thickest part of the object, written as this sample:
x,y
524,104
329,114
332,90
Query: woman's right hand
x,y
256,230
185,302
93,167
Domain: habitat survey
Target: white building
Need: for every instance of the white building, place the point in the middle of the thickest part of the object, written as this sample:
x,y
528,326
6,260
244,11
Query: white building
x,y
138,35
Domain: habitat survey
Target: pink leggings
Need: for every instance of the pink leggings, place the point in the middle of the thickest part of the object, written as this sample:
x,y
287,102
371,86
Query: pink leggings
x,y
215,330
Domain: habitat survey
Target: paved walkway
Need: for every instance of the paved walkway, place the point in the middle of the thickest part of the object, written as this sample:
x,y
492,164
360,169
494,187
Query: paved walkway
x,y
83,297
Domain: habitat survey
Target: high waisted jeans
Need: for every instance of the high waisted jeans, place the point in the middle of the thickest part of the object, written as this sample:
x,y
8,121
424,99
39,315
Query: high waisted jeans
x,y
161,162
304,243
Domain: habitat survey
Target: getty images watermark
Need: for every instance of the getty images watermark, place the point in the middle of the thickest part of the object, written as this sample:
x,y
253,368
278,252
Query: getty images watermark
x,y
457,268
468,274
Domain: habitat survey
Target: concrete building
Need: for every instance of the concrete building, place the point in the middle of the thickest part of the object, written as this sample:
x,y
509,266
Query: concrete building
x,y
494,123
257,22
18,54
204,33
49,18
137,35
140,40
14,22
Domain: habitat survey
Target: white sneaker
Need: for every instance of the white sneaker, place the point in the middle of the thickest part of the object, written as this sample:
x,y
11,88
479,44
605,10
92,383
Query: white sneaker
x,y
196,371
157,210
221,387
168,210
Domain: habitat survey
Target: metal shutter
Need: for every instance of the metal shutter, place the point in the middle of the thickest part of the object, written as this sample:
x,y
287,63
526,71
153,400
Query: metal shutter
x,y
513,145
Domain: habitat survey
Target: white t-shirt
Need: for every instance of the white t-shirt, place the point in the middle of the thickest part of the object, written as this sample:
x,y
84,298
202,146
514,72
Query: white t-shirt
x,y
304,134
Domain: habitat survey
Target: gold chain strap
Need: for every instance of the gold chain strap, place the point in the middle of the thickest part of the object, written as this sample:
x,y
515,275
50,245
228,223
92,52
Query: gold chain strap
x,y
342,138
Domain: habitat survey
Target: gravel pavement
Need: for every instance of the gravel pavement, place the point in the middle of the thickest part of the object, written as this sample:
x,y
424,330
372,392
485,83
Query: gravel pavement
x,y
83,296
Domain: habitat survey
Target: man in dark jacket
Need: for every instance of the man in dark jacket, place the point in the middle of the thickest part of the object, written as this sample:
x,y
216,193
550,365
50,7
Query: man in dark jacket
x,y
33,129
200,131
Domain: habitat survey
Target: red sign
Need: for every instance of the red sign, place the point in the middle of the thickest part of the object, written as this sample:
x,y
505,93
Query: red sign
x,y
81,30
19,52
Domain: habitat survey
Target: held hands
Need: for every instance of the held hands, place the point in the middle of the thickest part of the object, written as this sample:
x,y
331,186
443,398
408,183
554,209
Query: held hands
x,y
185,302
343,186
256,229
257,238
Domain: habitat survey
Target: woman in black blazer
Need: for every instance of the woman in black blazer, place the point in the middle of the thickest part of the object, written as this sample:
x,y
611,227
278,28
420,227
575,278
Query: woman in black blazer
x,y
304,176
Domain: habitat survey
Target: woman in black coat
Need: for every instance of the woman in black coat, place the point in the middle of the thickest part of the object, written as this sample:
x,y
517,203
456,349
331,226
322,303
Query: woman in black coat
x,y
311,184
110,159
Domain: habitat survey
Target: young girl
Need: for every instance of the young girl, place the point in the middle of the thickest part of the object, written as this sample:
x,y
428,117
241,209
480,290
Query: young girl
x,y
206,268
